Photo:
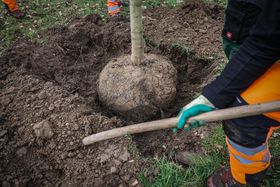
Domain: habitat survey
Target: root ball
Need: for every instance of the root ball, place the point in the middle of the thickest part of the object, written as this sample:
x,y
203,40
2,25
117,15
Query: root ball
x,y
138,91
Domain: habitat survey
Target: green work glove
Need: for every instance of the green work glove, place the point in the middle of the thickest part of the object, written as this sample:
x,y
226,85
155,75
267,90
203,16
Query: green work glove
x,y
197,106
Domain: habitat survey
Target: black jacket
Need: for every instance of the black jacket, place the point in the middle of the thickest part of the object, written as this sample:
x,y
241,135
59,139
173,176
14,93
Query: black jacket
x,y
259,51
241,15
259,3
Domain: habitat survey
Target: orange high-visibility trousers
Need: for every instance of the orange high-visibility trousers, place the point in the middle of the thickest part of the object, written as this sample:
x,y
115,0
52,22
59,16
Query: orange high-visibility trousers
x,y
249,163
12,4
113,7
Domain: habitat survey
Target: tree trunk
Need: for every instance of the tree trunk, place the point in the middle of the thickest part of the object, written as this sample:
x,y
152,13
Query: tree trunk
x,y
137,43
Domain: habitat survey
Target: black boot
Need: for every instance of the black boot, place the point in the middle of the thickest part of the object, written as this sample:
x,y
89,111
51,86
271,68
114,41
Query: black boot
x,y
223,178
17,14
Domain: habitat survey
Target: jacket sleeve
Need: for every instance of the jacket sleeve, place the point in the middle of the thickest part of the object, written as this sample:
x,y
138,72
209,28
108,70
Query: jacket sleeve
x,y
258,53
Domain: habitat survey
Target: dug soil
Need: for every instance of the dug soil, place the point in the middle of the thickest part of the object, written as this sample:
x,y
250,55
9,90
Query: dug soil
x,y
49,101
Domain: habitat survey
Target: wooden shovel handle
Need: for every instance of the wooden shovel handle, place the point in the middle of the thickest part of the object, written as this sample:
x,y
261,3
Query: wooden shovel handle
x,y
217,115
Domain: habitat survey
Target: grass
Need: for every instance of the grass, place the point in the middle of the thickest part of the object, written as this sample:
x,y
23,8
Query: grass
x,y
219,68
182,48
131,145
222,2
172,174
155,3
44,14
216,155
273,175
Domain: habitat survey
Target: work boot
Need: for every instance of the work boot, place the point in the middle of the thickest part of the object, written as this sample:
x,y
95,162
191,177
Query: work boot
x,y
223,178
17,14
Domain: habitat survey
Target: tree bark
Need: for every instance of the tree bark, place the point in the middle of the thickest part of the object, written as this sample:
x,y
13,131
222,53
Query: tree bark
x,y
137,41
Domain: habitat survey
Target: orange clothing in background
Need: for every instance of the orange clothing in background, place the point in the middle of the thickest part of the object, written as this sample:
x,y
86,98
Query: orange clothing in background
x,y
113,7
12,4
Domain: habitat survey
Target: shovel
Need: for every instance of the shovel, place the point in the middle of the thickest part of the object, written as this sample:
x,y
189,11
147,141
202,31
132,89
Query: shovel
x,y
217,115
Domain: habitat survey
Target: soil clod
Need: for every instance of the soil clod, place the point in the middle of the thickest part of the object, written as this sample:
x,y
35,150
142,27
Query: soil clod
x,y
124,156
3,133
43,129
21,152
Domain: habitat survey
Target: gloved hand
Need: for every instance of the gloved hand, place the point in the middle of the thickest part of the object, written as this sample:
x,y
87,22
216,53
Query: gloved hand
x,y
197,106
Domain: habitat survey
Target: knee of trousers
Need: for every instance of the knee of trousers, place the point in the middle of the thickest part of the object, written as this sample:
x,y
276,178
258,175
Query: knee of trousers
x,y
255,130
249,131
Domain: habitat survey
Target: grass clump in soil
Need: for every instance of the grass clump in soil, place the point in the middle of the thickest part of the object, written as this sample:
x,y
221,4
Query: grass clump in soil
x,y
182,48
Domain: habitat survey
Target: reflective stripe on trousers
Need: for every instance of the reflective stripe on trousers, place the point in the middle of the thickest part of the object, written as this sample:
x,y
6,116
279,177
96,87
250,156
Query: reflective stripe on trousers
x,y
247,160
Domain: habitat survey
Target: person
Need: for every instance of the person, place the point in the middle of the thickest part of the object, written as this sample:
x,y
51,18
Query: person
x,y
251,40
13,8
114,7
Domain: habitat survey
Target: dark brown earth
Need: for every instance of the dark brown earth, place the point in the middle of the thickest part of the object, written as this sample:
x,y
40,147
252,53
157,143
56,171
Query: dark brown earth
x,y
49,101
195,25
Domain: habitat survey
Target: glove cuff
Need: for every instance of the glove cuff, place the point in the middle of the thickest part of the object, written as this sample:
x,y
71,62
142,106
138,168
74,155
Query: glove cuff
x,y
199,100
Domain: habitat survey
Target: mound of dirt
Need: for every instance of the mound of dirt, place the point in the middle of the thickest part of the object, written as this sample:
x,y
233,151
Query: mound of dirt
x,y
140,91
196,25
44,114
49,101
28,105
